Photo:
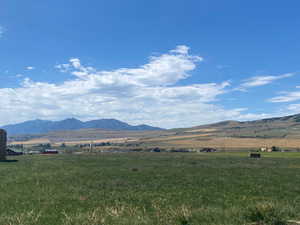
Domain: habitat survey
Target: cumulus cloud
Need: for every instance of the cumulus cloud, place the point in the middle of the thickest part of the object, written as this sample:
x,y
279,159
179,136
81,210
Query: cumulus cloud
x,y
146,94
262,80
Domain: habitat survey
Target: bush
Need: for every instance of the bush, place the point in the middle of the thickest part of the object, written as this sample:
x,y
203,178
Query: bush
x,y
265,214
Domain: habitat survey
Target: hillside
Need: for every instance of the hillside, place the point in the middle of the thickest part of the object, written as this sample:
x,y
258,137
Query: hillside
x,y
278,127
279,131
46,126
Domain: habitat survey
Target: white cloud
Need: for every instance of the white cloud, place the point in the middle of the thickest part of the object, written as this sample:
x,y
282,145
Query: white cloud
x,y
295,108
146,94
262,80
30,68
287,97
181,49
63,67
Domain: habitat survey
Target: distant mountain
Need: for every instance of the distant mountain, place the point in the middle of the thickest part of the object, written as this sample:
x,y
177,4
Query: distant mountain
x,y
45,126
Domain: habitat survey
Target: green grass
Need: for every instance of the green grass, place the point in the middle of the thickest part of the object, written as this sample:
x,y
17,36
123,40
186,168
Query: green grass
x,y
151,188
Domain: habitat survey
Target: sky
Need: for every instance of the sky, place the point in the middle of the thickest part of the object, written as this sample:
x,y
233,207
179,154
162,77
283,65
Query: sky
x,y
166,63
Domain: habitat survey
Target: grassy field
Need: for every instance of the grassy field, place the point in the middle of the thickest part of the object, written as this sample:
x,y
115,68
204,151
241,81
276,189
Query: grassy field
x,y
150,188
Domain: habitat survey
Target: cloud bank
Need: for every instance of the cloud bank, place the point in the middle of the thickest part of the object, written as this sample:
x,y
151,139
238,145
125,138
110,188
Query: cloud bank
x,y
147,94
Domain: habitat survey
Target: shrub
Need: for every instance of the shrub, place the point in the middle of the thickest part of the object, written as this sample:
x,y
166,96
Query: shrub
x,y
265,214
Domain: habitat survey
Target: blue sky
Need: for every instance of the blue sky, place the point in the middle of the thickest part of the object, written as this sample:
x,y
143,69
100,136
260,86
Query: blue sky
x,y
161,62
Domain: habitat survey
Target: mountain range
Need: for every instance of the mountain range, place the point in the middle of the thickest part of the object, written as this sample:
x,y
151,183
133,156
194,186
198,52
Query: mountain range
x,y
280,127
45,126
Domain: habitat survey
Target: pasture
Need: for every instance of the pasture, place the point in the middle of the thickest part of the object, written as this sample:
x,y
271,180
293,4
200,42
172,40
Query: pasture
x,y
150,189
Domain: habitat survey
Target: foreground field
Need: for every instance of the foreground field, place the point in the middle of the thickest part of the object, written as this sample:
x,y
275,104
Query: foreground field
x,y
151,188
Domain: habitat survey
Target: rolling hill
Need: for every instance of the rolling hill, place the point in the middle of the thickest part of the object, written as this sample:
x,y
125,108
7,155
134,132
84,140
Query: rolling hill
x,y
277,127
280,131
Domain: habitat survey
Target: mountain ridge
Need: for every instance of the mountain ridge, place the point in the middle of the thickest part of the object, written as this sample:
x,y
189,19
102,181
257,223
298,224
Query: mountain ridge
x,y
290,118
39,126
